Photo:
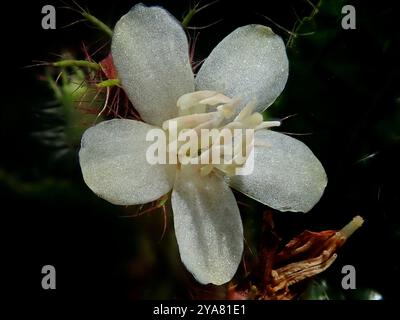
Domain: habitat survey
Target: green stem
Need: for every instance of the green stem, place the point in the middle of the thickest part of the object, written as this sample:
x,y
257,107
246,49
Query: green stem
x,y
109,83
188,17
54,87
99,24
76,63
193,11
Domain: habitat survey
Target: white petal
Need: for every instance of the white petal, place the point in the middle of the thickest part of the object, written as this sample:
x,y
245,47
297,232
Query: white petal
x,y
208,226
287,176
150,52
114,166
249,63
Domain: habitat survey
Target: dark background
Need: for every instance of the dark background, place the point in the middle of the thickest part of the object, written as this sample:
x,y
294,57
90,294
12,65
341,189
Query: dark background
x,y
343,87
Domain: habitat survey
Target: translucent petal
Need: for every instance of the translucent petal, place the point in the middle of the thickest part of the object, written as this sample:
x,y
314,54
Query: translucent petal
x,y
287,176
208,226
150,52
114,166
249,63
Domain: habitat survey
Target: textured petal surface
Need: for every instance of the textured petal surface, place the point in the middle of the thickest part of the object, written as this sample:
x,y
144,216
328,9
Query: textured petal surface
x,y
150,52
250,63
114,166
208,226
287,176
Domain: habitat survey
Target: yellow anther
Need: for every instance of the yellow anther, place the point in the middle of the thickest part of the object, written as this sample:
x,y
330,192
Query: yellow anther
x,y
268,124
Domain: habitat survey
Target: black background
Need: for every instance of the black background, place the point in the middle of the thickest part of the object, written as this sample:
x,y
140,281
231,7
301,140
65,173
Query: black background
x,y
347,118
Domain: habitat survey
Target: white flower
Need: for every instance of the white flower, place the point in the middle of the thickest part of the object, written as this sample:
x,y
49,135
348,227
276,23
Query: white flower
x,y
150,52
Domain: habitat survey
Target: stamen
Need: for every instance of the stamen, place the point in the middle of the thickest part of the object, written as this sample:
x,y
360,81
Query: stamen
x,y
190,121
218,150
235,125
246,111
213,123
253,120
206,170
216,100
267,125
196,102
189,99
228,109
352,226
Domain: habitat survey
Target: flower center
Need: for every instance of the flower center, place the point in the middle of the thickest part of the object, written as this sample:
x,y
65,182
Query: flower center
x,y
215,139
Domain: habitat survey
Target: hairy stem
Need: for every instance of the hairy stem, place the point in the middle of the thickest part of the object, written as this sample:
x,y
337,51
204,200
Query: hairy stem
x,y
76,63
96,22
109,83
